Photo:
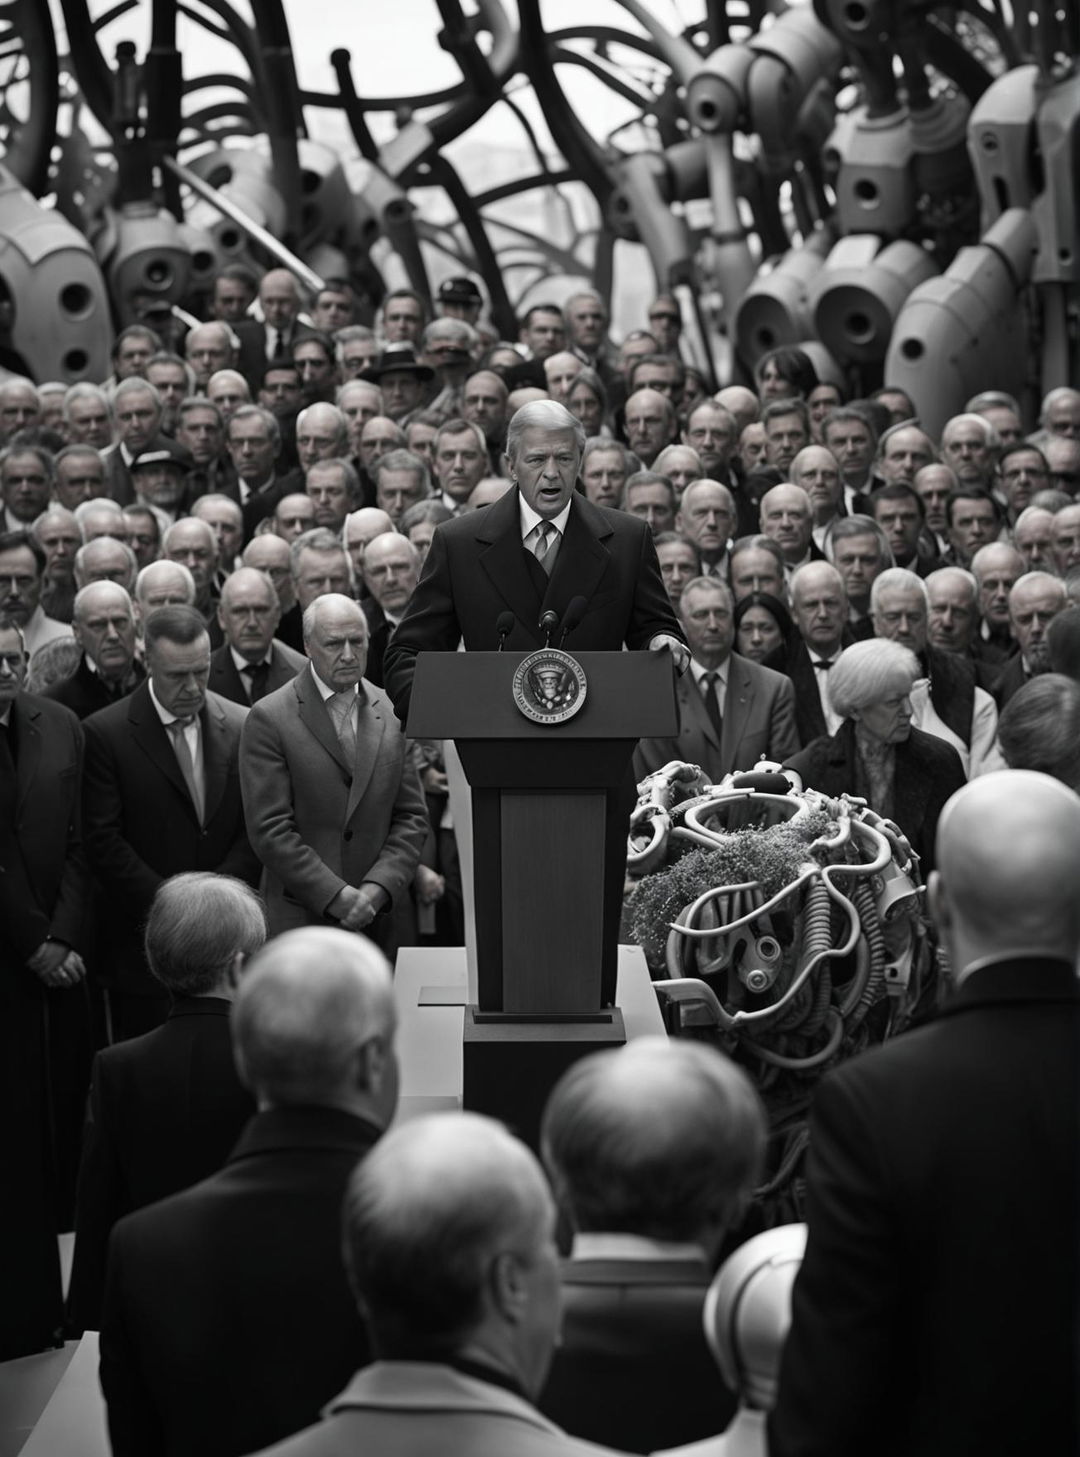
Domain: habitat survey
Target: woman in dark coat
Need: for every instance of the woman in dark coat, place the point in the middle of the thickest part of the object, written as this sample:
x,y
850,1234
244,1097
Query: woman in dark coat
x,y
905,775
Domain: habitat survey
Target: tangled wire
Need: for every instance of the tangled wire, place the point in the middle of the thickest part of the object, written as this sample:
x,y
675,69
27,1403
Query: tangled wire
x,y
783,924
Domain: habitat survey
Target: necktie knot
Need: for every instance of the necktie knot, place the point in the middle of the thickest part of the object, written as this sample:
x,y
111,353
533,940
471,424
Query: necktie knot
x,y
180,724
822,663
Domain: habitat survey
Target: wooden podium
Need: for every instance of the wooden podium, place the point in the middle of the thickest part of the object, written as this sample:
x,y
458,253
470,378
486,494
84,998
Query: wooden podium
x,y
550,809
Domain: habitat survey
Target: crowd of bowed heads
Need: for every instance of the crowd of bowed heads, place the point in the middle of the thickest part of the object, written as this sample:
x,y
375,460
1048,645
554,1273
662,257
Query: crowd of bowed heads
x,y
205,563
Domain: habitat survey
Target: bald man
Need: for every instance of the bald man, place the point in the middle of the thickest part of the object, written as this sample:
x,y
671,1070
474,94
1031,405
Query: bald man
x,y
652,1152
248,1263
103,621
940,1277
463,1343
331,791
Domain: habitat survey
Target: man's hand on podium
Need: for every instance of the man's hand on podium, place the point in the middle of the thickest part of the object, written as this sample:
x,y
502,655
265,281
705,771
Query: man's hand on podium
x,y
679,651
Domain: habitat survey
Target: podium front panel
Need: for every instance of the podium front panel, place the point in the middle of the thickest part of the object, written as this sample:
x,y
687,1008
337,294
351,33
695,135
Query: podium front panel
x,y
552,922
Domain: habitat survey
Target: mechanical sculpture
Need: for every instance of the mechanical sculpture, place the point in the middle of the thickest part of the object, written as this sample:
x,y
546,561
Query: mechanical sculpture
x,y
782,924
893,182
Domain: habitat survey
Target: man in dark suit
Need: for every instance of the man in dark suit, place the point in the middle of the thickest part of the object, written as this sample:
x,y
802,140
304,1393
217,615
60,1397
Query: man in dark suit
x,y
248,1264
253,440
272,340
161,795
819,606
942,1173
391,570
103,622
488,562
166,1108
42,895
251,662
463,1343
332,795
1034,601
653,1152
137,412
731,712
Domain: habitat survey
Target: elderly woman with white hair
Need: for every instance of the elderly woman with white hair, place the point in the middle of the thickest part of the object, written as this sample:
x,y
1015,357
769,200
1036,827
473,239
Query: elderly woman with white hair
x,y
876,754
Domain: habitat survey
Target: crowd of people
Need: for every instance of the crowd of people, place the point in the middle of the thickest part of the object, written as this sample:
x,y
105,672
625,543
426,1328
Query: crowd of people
x,y
217,568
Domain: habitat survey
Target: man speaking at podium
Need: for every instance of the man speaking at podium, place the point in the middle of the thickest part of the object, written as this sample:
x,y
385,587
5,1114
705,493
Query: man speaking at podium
x,y
542,564
492,575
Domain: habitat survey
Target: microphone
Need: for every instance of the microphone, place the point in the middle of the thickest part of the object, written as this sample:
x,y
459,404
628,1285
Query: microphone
x,y
549,621
573,615
504,626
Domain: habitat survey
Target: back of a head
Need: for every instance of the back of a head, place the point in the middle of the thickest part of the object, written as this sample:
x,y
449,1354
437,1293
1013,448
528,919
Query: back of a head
x,y
309,1001
662,1139
1063,642
199,924
748,1312
1039,728
425,1214
1008,845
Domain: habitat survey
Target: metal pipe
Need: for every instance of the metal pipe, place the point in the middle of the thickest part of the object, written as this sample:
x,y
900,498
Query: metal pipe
x,y
307,276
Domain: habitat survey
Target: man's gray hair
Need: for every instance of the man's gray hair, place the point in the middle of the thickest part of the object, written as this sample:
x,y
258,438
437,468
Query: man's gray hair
x,y
100,544
43,457
991,439
84,390
894,579
133,385
661,1139
319,538
868,672
427,1212
199,924
309,999
81,596
543,415
403,460
849,526
144,581
256,412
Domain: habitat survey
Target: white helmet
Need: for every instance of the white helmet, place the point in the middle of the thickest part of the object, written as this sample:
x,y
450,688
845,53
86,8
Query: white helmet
x,y
748,1311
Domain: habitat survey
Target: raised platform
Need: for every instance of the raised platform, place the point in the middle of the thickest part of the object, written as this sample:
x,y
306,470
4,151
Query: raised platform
x,y
431,991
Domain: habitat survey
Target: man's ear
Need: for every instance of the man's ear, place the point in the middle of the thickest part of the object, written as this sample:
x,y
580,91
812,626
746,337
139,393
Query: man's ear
x,y
508,1288
937,901
370,1065
233,975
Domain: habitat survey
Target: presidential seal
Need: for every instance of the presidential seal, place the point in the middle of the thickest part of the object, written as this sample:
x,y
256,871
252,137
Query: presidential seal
x,y
549,686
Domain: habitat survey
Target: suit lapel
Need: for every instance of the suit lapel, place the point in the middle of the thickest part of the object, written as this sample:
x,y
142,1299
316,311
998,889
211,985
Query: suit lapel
x,y
316,717
215,742
370,728
29,741
581,560
501,558
149,733
692,708
737,706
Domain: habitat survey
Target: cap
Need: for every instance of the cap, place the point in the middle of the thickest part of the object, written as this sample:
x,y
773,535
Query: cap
x,y
459,291
164,451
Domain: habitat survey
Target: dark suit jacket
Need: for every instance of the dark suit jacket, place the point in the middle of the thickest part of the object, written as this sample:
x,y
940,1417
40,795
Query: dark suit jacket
x,y
228,1322
477,569
86,691
935,1310
318,823
165,1111
226,681
928,773
42,894
758,718
378,638
795,663
141,826
1010,680
253,360
633,1370
263,503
